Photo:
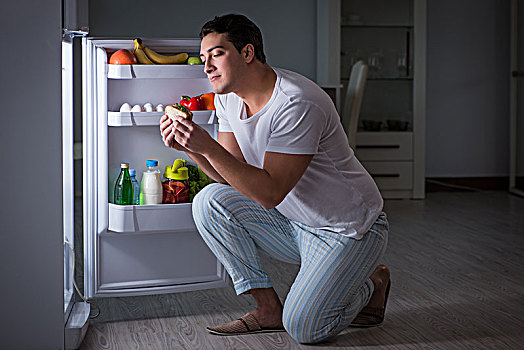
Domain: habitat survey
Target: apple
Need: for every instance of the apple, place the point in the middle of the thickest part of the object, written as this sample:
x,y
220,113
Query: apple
x,y
194,60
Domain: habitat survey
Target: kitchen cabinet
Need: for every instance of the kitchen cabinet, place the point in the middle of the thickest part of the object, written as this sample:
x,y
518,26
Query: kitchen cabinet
x,y
390,37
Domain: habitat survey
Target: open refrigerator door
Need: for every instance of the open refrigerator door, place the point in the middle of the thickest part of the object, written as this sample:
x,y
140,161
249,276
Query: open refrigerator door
x,y
76,314
138,249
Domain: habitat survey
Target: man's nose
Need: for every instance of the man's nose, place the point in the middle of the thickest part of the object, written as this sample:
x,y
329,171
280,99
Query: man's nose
x,y
208,68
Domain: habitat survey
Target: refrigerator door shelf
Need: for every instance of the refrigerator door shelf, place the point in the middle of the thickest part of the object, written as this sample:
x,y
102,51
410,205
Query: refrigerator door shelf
x,y
157,217
153,118
160,71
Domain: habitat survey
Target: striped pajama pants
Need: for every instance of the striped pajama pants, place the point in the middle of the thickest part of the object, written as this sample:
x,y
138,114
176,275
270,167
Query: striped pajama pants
x,y
333,283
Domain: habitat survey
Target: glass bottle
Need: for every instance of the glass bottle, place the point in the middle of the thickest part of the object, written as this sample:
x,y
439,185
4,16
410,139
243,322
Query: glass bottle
x,y
124,186
176,183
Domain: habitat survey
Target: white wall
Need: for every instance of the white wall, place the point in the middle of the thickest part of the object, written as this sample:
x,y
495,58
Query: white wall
x,y
468,88
31,248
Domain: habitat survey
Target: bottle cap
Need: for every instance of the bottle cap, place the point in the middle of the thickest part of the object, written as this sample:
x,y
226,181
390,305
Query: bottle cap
x,y
177,171
124,165
151,162
132,172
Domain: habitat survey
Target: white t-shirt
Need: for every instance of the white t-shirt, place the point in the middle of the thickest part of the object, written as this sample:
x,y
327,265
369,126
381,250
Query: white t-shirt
x,y
335,192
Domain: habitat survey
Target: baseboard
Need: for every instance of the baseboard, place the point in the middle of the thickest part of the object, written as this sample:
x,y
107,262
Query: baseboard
x,y
465,184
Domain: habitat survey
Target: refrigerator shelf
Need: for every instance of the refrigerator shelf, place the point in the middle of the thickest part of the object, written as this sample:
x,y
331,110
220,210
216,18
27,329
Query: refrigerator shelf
x,y
154,217
153,118
157,71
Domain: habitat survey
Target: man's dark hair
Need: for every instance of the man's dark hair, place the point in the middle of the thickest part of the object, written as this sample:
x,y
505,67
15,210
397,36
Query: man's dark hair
x,y
239,30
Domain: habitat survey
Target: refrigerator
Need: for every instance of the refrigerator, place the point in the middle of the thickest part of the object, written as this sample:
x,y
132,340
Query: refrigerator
x,y
138,249
129,250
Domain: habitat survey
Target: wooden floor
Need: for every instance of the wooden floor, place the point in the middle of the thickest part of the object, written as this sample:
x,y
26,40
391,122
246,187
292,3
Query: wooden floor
x,y
457,265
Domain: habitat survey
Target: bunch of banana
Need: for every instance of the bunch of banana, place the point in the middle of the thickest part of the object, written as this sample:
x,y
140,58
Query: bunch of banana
x,y
145,55
140,54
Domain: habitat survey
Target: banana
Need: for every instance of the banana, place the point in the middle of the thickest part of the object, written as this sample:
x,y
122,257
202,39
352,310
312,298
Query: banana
x,y
159,58
140,54
163,59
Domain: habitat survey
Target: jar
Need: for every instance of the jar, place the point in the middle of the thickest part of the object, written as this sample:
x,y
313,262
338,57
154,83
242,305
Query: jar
x,y
175,187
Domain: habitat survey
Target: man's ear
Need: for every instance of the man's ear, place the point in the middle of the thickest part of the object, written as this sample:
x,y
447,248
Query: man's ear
x,y
248,53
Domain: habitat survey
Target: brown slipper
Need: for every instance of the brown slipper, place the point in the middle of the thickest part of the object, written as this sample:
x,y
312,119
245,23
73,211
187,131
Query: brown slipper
x,y
371,316
247,324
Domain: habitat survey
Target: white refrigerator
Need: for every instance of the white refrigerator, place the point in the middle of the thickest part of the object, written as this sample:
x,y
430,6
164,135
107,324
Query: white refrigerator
x,y
129,249
138,249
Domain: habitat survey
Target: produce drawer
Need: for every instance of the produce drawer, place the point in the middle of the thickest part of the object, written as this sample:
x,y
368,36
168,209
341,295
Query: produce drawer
x,y
157,217
391,175
384,146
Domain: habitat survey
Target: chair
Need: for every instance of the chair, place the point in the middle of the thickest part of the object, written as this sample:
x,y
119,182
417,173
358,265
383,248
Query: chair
x,y
353,100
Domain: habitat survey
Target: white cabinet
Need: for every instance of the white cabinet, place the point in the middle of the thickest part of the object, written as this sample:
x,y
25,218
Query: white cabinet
x,y
131,249
390,36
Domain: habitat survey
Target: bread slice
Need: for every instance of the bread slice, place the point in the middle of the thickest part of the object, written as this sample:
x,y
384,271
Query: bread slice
x,y
178,110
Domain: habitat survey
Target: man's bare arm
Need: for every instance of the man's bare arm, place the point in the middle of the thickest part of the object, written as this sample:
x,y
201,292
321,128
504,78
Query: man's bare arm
x,y
227,140
229,143
267,186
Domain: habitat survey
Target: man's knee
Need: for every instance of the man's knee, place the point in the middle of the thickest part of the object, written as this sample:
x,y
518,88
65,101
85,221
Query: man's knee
x,y
302,328
203,197
202,202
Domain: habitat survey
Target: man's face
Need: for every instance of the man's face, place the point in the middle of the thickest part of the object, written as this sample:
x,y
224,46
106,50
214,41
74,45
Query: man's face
x,y
222,63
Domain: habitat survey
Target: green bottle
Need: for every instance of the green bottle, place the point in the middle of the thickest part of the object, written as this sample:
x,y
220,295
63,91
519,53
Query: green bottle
x,y
124,186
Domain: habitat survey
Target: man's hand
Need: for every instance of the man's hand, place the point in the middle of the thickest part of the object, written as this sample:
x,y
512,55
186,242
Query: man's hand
x,y
192,137
168,137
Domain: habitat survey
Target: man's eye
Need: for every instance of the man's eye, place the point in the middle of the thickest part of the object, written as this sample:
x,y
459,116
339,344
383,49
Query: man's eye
x,y
217,54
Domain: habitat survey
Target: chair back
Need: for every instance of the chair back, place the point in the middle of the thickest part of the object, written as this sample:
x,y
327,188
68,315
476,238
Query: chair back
x,y
353,100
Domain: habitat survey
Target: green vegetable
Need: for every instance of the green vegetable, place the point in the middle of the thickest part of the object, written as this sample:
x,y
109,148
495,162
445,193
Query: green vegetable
x,y
197,180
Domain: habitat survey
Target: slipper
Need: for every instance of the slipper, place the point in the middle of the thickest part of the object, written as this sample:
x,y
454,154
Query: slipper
x,y
247,324
371,316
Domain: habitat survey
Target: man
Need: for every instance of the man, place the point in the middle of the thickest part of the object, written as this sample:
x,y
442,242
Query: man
x,y
288,185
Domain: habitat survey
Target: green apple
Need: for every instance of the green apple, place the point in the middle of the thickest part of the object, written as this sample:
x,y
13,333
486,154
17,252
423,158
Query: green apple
x,y
194,60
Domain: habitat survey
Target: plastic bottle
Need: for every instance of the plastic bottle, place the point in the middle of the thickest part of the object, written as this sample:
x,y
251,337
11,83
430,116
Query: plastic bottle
x,y
151,186
136,187
124,186
176,183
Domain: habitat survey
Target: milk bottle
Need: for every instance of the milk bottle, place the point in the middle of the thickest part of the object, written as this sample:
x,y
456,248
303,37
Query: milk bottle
x,y
151,186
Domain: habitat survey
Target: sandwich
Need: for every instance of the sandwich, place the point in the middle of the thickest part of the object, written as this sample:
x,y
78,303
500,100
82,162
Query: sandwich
x,y
178,110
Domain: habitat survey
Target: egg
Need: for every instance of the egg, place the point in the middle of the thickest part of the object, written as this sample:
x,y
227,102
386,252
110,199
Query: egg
x,y
160,108
148,107
125,107
137,108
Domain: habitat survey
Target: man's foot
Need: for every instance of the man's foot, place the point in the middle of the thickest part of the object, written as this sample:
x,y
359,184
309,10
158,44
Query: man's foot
x,y
247,324
269,310
373,313
267,317
380,278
